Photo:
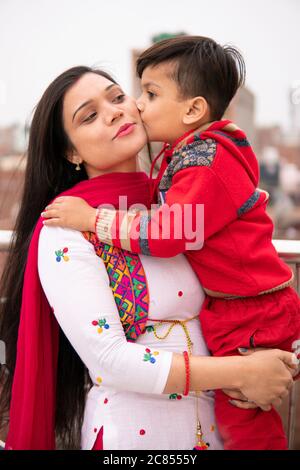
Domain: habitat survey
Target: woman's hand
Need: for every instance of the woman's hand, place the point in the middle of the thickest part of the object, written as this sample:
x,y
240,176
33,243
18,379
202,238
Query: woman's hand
x,y
239,400
70,212
268,376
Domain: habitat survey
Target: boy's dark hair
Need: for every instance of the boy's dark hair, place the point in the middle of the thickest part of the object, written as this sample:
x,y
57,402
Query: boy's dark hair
x,y
202,67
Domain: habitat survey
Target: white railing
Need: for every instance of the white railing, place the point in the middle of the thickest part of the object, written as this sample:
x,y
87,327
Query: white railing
x,y
289,251
5,237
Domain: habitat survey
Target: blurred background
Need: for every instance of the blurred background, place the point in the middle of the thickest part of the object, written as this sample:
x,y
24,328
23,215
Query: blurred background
x,y
39,39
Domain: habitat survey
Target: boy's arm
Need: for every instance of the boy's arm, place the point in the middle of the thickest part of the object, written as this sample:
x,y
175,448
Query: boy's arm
x,y
197,206
200,202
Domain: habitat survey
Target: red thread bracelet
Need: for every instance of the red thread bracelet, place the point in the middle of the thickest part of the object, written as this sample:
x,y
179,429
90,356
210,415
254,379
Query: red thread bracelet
x,y
187,373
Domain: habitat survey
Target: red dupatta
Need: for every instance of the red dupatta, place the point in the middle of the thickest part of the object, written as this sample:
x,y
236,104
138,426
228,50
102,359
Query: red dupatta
x,y
32,409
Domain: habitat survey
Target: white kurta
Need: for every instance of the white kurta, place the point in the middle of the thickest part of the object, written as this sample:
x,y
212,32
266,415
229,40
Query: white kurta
x,y
129,378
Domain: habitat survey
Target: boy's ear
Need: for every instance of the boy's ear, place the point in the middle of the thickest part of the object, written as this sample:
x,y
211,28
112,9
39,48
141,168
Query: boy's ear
x,y
197,109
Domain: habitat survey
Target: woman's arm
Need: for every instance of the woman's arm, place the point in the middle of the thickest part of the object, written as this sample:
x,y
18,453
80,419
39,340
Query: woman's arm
x,y
262,377
77,287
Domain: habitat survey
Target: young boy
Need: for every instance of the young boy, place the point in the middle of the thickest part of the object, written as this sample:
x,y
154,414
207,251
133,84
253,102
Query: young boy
x,y
187,84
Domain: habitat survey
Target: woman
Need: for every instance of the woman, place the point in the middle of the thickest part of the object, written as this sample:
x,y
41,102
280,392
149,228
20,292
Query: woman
x,y
134,359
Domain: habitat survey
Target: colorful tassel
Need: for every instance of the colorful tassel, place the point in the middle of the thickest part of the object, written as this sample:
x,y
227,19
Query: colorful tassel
x,y
201,445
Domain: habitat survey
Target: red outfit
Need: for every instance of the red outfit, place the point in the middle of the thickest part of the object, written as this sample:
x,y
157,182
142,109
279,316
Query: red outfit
x,y
237,263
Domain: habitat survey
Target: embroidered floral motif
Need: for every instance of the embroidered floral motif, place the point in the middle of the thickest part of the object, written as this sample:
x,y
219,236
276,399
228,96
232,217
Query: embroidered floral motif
x,y
128,283
99,381
149,329
61,254
101,323
148,356
175,396
198,153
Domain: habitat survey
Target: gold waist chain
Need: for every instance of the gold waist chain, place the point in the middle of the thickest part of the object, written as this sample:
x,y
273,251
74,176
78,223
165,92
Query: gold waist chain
x,y
182,323
200,443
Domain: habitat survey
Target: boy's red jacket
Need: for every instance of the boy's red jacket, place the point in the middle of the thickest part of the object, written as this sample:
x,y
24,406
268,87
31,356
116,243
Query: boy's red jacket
x,y
216,168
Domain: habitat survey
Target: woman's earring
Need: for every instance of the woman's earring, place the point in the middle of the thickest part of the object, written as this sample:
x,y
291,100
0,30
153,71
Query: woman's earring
x,y
78,167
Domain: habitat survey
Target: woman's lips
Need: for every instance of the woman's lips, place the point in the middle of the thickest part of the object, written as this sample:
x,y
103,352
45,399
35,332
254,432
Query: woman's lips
x,y
125,130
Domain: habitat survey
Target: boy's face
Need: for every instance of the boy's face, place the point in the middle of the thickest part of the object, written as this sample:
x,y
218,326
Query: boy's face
x,y
160,105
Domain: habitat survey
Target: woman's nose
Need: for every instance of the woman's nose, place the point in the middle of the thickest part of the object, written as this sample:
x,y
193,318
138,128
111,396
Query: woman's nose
x,y
115,114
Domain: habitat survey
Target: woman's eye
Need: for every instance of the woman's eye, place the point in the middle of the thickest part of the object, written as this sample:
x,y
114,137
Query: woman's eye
x,y
119,98
90,117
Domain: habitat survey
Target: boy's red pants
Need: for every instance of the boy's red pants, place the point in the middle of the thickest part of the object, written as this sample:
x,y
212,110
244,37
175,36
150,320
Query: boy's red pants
x,y
269,321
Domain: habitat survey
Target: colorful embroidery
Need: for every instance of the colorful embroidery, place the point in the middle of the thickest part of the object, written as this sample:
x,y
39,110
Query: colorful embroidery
x,y
99,381
128,283
101,323
142,432
148,356
143,237
175,396
239,142
60,254
198,153
249,204
149,329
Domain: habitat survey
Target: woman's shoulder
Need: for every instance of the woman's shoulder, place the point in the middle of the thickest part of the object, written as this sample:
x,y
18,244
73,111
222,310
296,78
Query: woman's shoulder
x,y
60,232
61,240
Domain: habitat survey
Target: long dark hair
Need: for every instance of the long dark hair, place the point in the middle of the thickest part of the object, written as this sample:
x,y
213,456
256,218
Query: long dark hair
x,y
48,173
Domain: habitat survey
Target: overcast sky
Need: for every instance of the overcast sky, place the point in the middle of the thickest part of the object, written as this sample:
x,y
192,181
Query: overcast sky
x,y
41,38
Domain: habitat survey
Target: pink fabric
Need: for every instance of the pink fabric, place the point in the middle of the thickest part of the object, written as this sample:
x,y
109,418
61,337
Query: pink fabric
x,y
32,410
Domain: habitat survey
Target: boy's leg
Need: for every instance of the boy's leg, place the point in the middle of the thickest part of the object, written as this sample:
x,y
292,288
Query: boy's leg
x,y
248,429
228,325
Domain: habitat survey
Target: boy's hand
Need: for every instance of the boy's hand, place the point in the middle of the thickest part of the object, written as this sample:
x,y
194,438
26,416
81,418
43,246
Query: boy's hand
x,y
70,212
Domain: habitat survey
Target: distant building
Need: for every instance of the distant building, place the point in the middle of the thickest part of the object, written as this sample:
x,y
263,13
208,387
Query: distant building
x,y
268,136
12,140
11,183
294,104
273,136
242,112
12,170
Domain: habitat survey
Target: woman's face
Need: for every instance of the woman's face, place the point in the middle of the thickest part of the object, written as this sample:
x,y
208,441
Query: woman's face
x,y
103,125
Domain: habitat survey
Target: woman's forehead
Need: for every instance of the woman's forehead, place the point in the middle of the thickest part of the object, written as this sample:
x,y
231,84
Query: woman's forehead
x,y
89,86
